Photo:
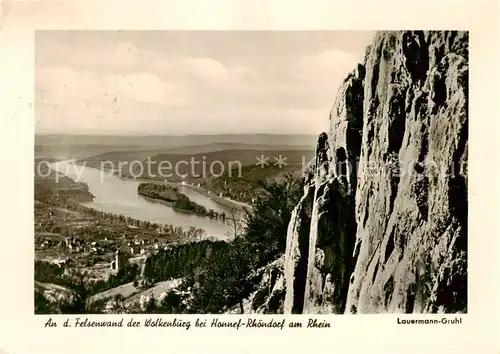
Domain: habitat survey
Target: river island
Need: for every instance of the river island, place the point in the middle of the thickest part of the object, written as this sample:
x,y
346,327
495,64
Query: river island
x,y
174,198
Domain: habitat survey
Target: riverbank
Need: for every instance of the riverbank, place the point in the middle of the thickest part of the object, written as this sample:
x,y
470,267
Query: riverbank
x,y
224,201
171,196
227,202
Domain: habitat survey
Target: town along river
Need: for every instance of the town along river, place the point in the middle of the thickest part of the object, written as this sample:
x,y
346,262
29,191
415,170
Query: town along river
x,y
119,196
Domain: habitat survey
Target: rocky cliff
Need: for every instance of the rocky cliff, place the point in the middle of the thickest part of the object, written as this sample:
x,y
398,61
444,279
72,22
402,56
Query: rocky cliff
x,y
382,225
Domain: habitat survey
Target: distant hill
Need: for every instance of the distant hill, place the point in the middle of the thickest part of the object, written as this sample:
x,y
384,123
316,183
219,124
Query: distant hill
x,y
85,146
191,151
174,140
65,151
201,149
206,165
125,155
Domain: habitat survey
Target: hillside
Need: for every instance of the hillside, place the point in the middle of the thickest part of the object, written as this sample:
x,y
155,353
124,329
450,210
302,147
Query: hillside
x,y
203,149
85,146
172,140
247,187
231,173
64,150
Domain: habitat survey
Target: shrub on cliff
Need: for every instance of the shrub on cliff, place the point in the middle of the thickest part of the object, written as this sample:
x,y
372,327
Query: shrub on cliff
x,y
223,281
267,226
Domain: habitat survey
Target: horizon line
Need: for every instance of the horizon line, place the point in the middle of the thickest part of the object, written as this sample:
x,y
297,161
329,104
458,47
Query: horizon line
x,y
177,135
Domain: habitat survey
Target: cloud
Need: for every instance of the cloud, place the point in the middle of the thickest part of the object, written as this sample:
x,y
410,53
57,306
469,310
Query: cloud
x,y
82,54
330,61
143,87
111,84
60,83
124,56
82,99
63,84
325,71
205,68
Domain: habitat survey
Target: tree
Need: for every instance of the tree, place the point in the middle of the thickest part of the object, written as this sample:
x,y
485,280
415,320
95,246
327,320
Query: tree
x,y
116,305
267,225
79,303
236,225
224,280
42,305
221,281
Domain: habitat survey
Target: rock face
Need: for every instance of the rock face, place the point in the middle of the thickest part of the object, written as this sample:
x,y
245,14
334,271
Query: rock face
x,y
382,225
268,293
271,294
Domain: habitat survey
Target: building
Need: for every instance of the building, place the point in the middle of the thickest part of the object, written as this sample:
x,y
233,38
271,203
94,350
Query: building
x,y
119,260
134,249
60,262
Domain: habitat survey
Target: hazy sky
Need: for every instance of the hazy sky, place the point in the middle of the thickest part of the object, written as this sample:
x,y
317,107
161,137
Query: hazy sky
x,y
190,82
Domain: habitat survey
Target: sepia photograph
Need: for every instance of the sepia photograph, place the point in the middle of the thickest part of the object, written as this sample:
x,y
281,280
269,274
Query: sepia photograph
x,y
251,172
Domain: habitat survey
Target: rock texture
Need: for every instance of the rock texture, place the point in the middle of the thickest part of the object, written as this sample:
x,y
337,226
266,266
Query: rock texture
x,y
268,291
382,225
271,294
